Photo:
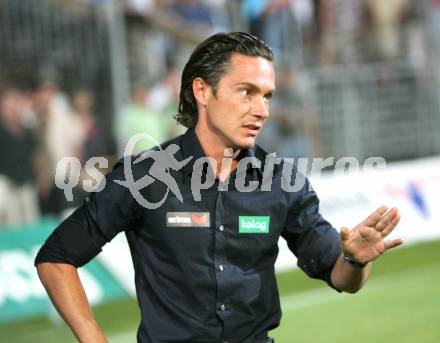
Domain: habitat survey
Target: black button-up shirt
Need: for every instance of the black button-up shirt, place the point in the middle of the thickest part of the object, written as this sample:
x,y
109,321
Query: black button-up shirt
x,y
210,278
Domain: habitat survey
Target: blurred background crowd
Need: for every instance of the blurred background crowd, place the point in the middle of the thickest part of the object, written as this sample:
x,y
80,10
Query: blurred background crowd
x,y
79,77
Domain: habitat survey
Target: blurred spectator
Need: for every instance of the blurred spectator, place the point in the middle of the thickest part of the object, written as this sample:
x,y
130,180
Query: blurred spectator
x,y
93,146
164,99
305,14
434,21
275,23
415,42
220,20
82,106
386,17
157,30
196,20
137,118
18,197
140,7
341,23
434,17
61,134
193,12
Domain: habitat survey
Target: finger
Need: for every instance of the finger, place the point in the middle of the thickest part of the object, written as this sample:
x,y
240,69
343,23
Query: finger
x,y
390,227
344,234
373,218
393,243
386,219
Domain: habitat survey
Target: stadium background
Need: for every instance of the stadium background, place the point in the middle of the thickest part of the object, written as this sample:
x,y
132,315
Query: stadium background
x,y
356,78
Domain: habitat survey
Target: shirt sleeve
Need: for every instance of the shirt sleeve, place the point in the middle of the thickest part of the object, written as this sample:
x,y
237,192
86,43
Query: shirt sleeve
x,y
102,216
310,237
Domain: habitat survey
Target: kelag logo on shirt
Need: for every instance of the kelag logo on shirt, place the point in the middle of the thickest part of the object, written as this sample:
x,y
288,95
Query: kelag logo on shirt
x,y
253,224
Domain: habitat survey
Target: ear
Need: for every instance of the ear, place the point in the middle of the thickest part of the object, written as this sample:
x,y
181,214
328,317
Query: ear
x,y
200,90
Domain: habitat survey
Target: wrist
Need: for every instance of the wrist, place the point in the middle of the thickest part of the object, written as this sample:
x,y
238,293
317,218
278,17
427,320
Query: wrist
x,y
352,262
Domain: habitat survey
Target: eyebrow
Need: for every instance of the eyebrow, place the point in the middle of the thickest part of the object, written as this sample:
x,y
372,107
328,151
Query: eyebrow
x,y
253,86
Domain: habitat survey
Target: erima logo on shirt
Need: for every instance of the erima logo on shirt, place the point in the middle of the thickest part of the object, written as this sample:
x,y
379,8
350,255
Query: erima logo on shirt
x,y
188,219
253,224
179,220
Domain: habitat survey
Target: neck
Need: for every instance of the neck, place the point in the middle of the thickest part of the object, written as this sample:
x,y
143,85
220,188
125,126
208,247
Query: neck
x,y
213,146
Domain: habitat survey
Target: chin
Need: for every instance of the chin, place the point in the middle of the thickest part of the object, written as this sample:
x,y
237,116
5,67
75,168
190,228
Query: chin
x,y
246,143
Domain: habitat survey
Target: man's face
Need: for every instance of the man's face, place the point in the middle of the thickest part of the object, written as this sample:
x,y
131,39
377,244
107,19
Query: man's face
x,y
240,107
10,102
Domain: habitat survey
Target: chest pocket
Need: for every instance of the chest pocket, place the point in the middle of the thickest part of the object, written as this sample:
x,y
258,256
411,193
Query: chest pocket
x,y
180,232
255,222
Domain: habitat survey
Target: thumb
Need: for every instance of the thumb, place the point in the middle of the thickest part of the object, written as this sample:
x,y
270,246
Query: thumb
x,y
344,233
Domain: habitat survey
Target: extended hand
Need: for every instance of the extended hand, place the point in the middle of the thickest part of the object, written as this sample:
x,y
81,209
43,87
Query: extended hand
x,y
366,241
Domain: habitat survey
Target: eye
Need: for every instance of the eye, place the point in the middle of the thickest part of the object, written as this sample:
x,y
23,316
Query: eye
x,y
268,96
244,92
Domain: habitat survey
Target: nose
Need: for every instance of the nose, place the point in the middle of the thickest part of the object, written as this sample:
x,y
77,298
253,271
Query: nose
x,y
260,107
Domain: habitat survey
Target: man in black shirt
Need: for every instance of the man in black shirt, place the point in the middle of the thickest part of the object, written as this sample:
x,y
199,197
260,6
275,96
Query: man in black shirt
x,y
204,253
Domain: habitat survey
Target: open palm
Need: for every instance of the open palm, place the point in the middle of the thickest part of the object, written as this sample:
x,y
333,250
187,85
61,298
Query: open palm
x,y
366,241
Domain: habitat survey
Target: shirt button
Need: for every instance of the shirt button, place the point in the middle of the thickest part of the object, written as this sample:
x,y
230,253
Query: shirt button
x,y
221,228
222,307
221,267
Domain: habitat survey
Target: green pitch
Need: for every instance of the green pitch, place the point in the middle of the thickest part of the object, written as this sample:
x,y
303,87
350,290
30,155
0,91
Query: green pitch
x,y
400,303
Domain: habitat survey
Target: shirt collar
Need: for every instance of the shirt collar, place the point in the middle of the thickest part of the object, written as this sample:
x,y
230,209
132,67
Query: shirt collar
x,y
191,147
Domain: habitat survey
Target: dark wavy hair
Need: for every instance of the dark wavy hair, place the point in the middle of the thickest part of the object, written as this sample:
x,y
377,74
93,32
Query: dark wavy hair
x,y
210,61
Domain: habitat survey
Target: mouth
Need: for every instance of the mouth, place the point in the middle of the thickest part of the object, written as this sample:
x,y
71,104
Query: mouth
x,y
253,129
